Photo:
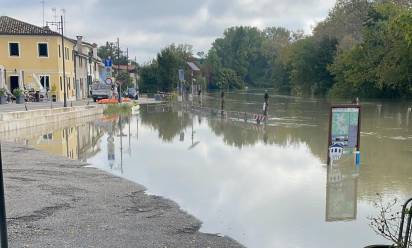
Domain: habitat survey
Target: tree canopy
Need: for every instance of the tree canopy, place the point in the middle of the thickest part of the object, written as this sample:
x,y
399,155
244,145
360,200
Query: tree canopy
x,y
362,48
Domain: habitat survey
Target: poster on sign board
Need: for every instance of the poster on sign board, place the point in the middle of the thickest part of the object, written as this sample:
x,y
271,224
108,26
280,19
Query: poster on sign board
x,y
345,126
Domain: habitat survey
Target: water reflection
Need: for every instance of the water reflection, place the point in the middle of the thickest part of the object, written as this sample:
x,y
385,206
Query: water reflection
x,y
342,189
264,185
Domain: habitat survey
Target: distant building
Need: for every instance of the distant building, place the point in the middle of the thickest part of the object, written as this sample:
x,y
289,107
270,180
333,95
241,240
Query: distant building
x,y
88,67
132,69
194,74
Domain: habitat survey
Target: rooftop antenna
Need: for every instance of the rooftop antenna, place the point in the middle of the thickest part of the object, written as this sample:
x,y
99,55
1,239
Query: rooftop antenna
x,y
55,16
42,4
64,17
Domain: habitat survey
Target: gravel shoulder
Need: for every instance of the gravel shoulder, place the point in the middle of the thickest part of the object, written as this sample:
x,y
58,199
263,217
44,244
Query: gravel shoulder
x,y
52,201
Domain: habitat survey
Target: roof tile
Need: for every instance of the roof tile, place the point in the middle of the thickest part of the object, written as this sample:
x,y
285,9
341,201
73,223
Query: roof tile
x,y
11,26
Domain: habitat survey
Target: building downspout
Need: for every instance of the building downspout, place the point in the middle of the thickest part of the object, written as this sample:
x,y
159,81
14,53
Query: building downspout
x,y
75,73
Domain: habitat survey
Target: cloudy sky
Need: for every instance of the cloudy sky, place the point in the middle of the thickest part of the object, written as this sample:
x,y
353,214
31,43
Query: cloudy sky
x,y
146,26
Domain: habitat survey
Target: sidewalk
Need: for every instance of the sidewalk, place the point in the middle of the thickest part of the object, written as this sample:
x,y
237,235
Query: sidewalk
x,y
12,107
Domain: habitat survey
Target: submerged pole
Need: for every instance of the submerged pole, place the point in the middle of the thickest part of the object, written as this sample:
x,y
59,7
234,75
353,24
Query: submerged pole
x,y
222,102
265,105
3,223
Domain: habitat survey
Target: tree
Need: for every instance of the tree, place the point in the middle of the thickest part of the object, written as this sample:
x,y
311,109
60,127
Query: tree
x,y
125,80
344,22
228,79
307,61
379,66
240,51
149,77
110,50
169,61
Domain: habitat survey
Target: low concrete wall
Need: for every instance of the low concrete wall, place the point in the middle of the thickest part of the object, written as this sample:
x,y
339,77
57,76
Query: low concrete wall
x,y
25,119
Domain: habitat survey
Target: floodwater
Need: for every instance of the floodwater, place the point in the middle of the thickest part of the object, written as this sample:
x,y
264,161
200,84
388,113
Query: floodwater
x,y
263,185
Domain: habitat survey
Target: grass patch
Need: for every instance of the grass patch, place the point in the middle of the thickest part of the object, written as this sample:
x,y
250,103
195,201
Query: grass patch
x,y
118,109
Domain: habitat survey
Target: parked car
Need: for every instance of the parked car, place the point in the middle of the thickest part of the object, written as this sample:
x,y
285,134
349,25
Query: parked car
x,y
132,93
101,91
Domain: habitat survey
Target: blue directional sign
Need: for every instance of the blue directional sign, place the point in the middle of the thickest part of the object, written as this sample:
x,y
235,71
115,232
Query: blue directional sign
x,y
108,62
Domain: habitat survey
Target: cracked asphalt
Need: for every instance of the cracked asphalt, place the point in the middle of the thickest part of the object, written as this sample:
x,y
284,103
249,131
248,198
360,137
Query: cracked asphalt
x,y
52,201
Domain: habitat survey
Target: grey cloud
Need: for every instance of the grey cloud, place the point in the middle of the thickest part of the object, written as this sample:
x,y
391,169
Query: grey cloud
x,y
145,26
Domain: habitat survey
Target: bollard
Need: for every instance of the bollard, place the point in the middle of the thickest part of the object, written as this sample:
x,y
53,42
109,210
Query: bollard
x,y
357,157
3,223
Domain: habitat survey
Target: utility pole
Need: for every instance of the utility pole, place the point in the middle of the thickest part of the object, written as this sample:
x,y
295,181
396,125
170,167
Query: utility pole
x,y
64,65
135,74
60,25
119,90
127,66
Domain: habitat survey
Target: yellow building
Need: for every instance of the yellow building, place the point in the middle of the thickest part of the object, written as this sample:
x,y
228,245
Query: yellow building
x,y
31,56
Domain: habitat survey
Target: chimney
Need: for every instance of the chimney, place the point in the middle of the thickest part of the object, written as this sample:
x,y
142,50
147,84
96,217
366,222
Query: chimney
x,y
94,50
79,43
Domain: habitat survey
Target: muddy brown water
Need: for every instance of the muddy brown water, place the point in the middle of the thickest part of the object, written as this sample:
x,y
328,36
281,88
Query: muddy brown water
x,y
263,185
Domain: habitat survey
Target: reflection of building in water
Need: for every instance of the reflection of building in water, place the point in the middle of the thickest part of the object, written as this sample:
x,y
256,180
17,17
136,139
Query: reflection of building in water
x,y
88,140
341,190
61,142
80,142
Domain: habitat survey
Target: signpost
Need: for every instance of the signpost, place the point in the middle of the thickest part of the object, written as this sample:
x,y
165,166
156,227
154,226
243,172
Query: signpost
x,y
344,127
181,73
108,63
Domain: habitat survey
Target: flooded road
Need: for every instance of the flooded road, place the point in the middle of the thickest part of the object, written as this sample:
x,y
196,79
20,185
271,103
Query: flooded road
x,y
263,185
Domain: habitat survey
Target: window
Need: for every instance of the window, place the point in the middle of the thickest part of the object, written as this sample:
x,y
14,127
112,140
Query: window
x,y
61,83
60,52
68,83
45,82
66,50
43,50
14,49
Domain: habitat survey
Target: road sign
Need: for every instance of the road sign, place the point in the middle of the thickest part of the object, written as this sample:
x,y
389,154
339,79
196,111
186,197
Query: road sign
x,y
109,81
108,72
108,62
181,75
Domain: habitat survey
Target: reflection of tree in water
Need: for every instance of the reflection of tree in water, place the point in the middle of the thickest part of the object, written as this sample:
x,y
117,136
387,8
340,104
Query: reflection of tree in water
x,y
240,134
168,124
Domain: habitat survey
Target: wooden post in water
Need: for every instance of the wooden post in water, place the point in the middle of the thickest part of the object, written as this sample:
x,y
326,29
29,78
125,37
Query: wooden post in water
x,y
222,103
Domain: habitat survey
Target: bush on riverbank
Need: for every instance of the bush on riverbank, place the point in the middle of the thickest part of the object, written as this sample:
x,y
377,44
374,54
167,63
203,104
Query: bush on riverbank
x,y
118,109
